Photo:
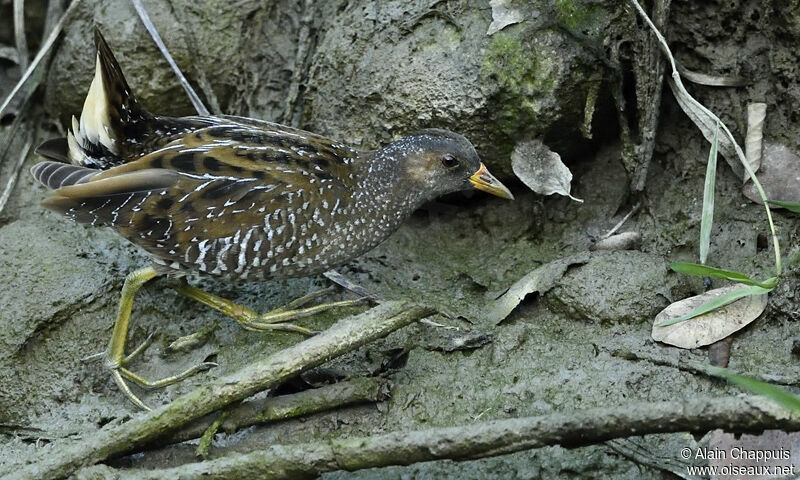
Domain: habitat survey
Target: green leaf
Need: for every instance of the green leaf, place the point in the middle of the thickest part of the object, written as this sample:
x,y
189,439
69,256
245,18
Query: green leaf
x,y
717,303
791,206
698,270
707,218
778,395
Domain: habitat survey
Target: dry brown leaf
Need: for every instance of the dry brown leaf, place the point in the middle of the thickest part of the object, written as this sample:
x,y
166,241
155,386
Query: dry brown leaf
x,y
712,326
779,175
540,280
541,169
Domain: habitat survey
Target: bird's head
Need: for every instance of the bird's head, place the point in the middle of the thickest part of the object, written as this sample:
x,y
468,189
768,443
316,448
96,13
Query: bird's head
x,y
439,162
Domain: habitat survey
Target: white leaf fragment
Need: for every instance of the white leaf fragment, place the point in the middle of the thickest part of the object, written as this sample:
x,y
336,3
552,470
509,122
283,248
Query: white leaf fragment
x,y
712,326
541,169
756,113
503,16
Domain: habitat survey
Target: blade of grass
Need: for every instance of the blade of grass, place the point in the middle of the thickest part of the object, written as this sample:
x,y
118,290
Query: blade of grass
x,y
791,206
151,29
698,270
52,15
707,218
683,96
19,33
778,395
717,303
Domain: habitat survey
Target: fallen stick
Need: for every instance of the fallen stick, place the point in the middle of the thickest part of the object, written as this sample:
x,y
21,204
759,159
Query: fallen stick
x,y
346,335
272,409
488,439
791,379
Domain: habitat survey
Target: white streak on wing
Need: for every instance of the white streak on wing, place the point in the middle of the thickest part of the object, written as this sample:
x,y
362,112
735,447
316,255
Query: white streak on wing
x,y
166,232
208,176
116,210
264,187
101,206
243,251
195,190
203,247
223,252
200,149
138,206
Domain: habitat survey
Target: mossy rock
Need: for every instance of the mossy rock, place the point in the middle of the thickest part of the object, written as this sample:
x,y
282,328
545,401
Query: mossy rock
x,y
373,71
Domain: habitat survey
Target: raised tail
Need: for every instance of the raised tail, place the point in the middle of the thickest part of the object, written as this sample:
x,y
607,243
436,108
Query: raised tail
x,y
111,120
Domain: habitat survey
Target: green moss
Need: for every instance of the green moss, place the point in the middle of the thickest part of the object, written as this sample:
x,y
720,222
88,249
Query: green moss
x,y
526,77
581,16
516,66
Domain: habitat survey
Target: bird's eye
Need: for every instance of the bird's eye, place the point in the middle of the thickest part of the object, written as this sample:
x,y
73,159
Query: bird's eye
x,y
449,161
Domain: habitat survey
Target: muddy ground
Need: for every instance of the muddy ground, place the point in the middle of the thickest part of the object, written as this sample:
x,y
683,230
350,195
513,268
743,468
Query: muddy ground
x,y
61,281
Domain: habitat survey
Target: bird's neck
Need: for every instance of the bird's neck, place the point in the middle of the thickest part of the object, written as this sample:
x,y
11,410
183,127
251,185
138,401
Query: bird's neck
x,y
382,180
381,198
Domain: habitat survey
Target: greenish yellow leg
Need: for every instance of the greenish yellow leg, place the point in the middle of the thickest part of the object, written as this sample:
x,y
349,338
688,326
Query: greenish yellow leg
x,y
116,358
274,320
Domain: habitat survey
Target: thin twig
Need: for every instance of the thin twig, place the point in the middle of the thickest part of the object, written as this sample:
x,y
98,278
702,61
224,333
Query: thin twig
x,y
479,440
345,283
346,335
272,409
621,222
640,454
52,27
40,55
697,367
678,85
19,33
151,29
12,179
8,140
208,435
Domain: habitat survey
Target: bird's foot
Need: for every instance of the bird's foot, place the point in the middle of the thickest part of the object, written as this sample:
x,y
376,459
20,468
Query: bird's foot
x,y
275,320
139,350
120,374
117,361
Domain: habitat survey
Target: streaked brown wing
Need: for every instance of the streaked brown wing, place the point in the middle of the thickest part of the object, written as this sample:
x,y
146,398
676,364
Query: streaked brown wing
x,y
193,201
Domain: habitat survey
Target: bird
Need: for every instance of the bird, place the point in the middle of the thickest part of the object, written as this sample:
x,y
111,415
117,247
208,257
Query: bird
x,y
236,198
